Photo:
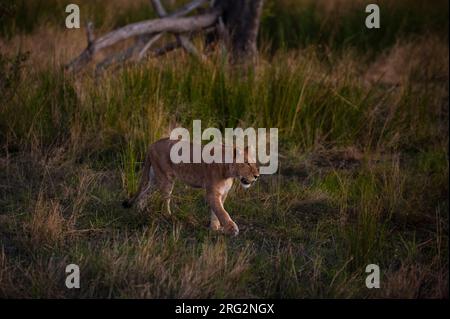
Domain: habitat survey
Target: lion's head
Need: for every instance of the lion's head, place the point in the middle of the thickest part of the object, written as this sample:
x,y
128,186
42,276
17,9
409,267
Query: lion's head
x,y
248,171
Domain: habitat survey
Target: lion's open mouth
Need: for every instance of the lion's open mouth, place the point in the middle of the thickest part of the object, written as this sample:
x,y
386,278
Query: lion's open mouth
x,y
245,181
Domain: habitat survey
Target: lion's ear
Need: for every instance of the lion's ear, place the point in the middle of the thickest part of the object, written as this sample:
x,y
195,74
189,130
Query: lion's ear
x,y
251,153
236,152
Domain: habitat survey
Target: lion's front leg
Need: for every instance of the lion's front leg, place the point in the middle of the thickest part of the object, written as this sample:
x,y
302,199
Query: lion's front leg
x,y
219,212
214,224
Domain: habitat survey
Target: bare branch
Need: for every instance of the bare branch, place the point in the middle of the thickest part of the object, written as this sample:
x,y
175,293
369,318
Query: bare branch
x,y
157,5
176,44
117,58
189,46
184,41
90,32
143,47
168,24
188,8
166,49
148,45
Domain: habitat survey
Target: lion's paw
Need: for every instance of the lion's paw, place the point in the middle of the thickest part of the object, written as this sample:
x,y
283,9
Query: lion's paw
x,y
216,227
231,229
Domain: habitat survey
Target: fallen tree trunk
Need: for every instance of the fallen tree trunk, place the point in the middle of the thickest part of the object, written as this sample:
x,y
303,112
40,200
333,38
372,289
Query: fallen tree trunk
x,y
144,42
173,25
236,22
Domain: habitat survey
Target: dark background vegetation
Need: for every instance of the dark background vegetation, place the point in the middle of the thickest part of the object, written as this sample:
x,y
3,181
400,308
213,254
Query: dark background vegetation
x,y
363,178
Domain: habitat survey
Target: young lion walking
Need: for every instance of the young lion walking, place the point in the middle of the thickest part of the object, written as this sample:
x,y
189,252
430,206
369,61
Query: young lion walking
x,y
159,173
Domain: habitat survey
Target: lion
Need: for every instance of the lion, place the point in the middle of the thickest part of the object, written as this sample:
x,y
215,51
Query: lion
x,y
159,173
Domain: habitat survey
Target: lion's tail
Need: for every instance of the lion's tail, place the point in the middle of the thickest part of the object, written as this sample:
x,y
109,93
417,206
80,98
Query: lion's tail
x,y
143,184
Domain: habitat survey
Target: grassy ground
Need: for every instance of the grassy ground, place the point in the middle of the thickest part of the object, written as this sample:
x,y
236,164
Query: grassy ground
x,y
363,178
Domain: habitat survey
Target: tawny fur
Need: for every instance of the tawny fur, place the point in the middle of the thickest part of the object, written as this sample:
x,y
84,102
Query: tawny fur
x,y
159,173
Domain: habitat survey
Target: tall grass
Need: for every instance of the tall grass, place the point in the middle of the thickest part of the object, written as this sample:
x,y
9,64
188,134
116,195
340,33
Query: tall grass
x,y
303,99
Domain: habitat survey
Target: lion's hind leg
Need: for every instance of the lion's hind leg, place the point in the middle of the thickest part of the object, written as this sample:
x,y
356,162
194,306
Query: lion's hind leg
x,y
146,185
165,188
